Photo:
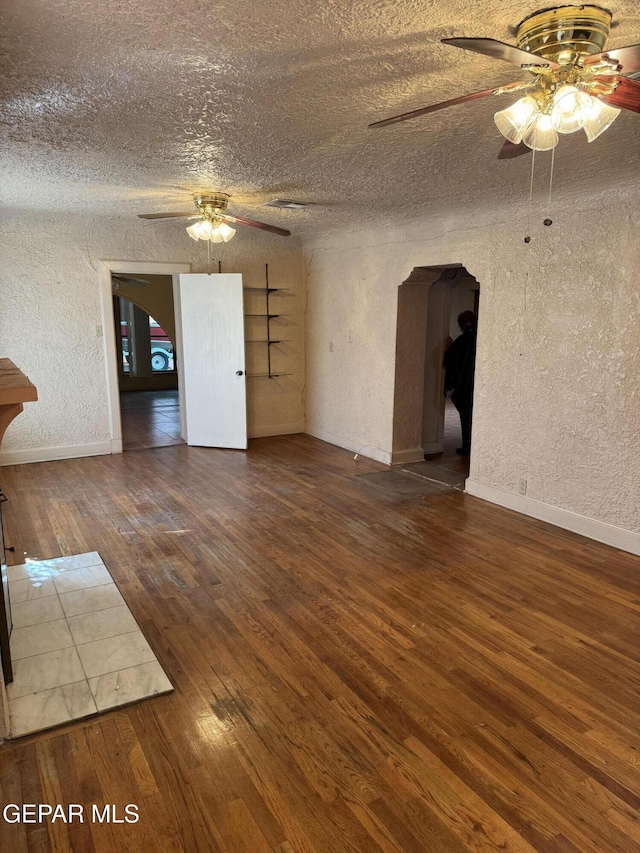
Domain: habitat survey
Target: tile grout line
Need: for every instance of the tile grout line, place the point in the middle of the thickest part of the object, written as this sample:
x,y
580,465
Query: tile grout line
x,y
75,645
75,615
53,559
68,592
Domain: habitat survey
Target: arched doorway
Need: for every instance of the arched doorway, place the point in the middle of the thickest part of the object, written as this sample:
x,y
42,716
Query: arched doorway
x,y
429,302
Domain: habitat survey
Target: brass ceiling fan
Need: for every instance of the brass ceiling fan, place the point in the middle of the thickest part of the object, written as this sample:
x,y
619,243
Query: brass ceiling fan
x,y
212,223
573,82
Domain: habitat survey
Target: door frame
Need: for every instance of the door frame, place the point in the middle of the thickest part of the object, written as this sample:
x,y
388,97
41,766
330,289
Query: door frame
x,y
105,268
411,348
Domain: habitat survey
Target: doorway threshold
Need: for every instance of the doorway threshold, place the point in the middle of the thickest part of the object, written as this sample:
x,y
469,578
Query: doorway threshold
x,y
453,474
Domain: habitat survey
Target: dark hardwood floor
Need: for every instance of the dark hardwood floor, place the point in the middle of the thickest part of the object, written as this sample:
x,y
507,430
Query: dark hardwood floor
x,y
354,670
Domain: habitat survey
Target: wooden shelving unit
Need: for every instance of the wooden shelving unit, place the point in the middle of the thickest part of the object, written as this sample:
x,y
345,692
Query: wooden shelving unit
x,y
269,316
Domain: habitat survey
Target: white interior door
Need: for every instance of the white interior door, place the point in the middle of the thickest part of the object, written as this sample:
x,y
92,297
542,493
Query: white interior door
x,y
211,359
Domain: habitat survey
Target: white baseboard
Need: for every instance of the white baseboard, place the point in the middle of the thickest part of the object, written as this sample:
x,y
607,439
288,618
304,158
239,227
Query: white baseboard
x,y
371,451
275,429
609,534
406,457
102,448
50,454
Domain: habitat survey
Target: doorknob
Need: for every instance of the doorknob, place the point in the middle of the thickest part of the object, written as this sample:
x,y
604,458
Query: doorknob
x,y
239,372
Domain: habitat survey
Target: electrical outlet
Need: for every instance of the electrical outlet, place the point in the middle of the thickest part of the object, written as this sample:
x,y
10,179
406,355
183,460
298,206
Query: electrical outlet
x,y
522,487
98,330
330,346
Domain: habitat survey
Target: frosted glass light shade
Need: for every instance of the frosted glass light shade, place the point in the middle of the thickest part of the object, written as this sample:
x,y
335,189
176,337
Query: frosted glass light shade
x,y
541,135
570,109
226,231
216,232
513,121
601,116
200,230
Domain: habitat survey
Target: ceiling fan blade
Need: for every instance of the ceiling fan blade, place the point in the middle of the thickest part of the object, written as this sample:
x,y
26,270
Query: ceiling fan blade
x,y
253,223
510,150
628,58
164,215
500,50
444,104
626,95
171,221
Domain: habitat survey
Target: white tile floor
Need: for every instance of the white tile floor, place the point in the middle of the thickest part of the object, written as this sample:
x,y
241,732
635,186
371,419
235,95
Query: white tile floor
x,y
75,646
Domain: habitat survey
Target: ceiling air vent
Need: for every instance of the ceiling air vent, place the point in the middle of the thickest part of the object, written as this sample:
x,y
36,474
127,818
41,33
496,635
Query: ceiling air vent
x,y
286,203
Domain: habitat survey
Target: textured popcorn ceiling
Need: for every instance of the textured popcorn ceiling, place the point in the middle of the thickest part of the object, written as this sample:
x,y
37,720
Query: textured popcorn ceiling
x,y
127,106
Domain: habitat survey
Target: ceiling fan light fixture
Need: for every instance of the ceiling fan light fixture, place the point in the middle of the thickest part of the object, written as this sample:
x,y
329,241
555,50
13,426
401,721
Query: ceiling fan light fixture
x,y
514,120
570,109
601,116
215,232
576,83
199,230
541,135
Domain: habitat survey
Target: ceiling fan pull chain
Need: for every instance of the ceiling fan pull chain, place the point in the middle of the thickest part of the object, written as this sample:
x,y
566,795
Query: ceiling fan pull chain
x,y
533,165
553,160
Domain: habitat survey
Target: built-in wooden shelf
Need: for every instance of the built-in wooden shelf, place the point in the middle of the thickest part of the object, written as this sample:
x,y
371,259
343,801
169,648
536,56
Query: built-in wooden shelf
x,y
268,316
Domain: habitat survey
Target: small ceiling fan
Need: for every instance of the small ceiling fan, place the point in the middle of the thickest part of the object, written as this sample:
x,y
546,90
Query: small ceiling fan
x,y
134,281
573,84
212,223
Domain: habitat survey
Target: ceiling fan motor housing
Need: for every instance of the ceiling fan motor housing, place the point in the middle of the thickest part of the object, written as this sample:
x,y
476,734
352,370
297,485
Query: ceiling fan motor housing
x,y
566,34
211,204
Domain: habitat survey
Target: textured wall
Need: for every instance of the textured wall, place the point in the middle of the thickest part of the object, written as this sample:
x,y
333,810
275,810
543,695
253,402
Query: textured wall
x,y
49,294
558,369
350,332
